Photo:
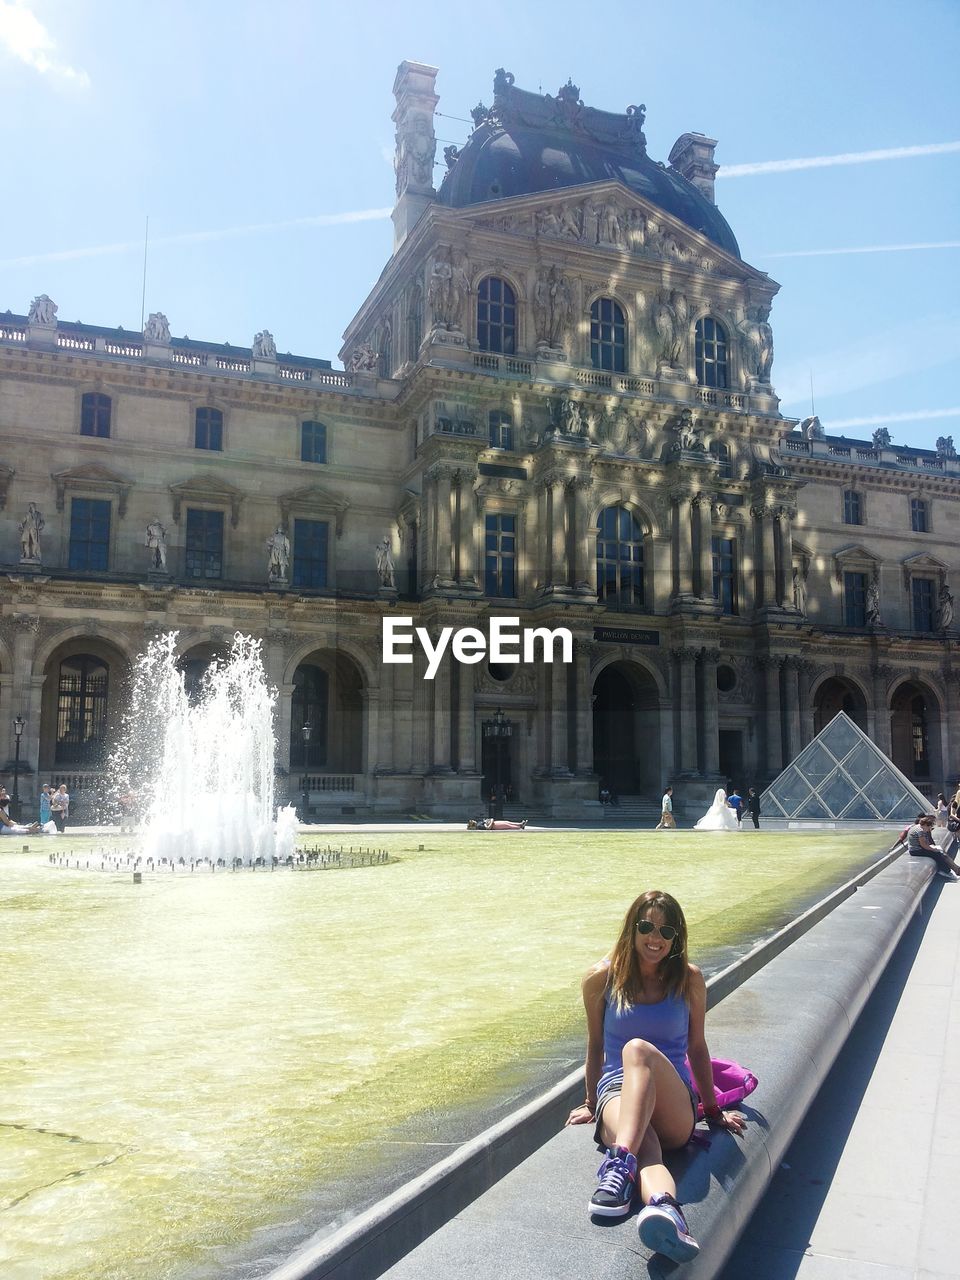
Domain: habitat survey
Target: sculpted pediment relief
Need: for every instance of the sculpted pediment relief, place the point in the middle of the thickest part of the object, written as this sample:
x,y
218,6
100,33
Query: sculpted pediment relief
x,y
314,497
206,489
612,218
91,476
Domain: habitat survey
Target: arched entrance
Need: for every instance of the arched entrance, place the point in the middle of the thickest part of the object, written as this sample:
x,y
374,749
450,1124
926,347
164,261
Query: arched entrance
x,y
626,729
327,697
838,694
915,736
84,691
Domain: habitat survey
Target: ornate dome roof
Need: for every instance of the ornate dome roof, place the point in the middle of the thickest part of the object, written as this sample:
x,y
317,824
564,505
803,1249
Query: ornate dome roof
x,y
527,143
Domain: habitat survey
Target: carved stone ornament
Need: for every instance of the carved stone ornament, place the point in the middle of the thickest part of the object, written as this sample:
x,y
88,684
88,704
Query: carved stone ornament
x,y
552,309
447,291
157,329
362,359
43,312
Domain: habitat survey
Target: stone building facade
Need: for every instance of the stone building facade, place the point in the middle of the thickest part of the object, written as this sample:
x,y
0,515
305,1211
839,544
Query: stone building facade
x,y
556,406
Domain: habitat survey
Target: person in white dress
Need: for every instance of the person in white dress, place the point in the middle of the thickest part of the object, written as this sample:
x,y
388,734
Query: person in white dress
x,y
719,817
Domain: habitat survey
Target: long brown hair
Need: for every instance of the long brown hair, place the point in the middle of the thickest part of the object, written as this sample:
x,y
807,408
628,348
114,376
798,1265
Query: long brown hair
x,y
626,985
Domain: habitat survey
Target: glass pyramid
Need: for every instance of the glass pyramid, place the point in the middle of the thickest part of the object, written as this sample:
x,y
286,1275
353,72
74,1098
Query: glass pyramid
x,y
842,775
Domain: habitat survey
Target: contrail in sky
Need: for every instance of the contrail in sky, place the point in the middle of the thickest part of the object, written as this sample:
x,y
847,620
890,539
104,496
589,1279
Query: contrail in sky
x,y
197,237
916,416
869,248
825,162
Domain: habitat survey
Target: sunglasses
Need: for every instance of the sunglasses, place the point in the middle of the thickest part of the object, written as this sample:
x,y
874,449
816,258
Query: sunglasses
x,y
667,931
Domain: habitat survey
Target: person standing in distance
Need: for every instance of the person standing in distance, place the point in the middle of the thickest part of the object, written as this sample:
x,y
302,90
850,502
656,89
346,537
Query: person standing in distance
x,y
753,806
667,821
735,801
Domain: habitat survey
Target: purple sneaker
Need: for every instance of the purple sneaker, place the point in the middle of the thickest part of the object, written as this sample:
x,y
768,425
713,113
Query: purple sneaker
x,y
618,1181
663,1229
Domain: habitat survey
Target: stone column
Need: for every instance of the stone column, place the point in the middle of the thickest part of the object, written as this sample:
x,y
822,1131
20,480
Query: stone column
x,y
370,701
705,510
769,559
384,762
443,554
467,563
683,518
807,670
25,695
785,584
421,713
585,567
559,759
791,706
583,709
770,666
559,571
756,554
711,711
882,674
441,713
466,721
686,659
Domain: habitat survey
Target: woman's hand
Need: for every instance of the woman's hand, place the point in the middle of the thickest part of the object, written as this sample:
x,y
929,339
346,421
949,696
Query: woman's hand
x,y
581,1115
732,1121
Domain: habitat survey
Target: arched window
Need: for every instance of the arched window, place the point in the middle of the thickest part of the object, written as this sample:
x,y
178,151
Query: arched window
x,y
501,430
94,414
711,353
208,429
619,559
608,336
496,316
81,710
721,453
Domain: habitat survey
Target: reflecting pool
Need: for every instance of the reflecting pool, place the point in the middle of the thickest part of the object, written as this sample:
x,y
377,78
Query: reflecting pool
x,y
189,1059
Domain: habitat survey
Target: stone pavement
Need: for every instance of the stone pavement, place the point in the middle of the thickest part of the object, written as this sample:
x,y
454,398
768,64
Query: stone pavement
x,y
869,1187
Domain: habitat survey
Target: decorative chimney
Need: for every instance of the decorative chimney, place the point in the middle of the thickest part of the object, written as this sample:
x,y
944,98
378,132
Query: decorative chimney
x,y
416,145
692,157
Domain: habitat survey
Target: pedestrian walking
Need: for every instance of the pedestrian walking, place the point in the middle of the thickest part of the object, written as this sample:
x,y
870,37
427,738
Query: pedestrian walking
x,y
735,801
60,806
667,821
753,806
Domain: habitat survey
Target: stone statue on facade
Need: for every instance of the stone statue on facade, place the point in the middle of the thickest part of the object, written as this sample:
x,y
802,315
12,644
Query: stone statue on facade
x,y
278,562
157,328
881,438
873,603
155,540
609,226
800,588
31,526
757,343
415,150
552,308
688,434
363,359
945,609
945,447
43,311
264,347
812,429
670,321
385,565
572,419
447,291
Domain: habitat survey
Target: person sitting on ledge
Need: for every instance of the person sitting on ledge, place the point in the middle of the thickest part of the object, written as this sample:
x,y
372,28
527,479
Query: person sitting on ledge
x,y
10,828
920,844
645,1006
495,824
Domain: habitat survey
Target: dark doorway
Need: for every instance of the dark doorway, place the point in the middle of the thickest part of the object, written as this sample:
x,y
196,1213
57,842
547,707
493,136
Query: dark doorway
x,y
731,756
626,730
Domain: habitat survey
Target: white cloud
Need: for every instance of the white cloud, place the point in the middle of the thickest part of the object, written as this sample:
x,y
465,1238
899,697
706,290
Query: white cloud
x,y
825,162
924,342
24,35
199,237
870,248
919,415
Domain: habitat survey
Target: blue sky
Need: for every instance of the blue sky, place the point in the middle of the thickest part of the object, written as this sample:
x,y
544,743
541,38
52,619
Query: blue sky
x,y
257,137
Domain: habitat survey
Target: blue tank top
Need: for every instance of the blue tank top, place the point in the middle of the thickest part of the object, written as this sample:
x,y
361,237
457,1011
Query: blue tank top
x,y
665,1025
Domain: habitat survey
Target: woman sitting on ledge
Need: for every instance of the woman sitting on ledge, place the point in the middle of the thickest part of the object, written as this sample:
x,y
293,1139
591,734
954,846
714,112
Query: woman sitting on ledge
x,y
495,824
10,828
645,1008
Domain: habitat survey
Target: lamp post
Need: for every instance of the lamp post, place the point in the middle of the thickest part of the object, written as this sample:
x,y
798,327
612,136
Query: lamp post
x,y
18,727
498,730
305,733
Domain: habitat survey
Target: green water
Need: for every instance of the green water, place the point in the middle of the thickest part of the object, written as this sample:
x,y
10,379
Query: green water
x,y
187,1058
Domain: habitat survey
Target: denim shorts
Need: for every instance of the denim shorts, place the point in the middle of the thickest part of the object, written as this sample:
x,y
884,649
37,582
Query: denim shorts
x,y
610,1086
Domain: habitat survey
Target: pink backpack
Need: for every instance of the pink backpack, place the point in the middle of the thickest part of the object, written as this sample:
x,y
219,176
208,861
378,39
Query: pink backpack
x,y
732,1083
